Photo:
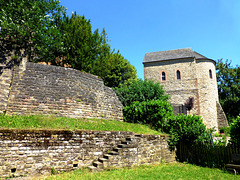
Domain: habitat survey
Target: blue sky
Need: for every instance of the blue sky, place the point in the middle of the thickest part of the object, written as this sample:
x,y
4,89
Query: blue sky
x,y
135,27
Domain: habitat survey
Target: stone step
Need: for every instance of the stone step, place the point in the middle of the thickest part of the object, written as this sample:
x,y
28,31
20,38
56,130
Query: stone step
x,y
117,149
98,164
113,153
92,168
122,146
102,160
107,156
125,142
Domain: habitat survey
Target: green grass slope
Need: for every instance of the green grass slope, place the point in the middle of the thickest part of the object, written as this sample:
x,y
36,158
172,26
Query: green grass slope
x,y
52,122
161,171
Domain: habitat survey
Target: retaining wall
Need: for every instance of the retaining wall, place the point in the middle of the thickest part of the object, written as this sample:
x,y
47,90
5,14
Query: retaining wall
x,y
30,152
43,89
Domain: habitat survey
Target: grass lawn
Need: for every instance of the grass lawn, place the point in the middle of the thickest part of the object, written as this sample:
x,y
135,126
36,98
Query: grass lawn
x,y
52,122
162,171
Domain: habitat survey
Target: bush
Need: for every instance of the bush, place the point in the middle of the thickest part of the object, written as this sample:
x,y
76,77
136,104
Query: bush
x,y
152,112
235,131
140,90
186,128
225,130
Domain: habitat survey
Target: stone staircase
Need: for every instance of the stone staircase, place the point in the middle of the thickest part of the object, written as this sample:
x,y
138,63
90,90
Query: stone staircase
x,y
115,157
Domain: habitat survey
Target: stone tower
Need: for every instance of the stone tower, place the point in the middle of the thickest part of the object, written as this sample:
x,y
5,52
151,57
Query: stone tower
x,y
185,74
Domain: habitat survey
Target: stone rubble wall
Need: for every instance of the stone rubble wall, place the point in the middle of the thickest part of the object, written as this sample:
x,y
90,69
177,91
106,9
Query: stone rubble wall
x,y
36,152
44,89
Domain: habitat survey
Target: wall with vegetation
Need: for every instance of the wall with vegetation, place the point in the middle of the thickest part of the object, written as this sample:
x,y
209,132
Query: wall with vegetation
x,y
43,89
29,152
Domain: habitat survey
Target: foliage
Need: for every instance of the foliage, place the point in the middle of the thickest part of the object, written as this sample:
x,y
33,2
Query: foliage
x,y
140,90
228,79
235,131
166,171
32,26
117,71
152,112
52,122
186,128
225,130
45,33
90,52
81,46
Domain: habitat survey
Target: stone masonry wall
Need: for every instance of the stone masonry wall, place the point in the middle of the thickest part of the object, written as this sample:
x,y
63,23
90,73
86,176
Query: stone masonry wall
x,y
44,89
5,81
179,90
222,119
195,82
31,152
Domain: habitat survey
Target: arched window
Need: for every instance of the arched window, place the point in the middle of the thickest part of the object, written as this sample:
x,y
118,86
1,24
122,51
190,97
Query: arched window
x,y
178,74
164,76
210,73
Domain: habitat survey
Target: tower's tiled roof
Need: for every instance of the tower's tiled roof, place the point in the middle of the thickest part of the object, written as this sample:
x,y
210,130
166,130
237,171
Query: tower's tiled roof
x,y
172,54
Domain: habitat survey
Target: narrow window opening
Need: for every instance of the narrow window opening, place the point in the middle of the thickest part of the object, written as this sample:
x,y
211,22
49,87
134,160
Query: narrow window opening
x,y
210,74
163,76
178,74
75,165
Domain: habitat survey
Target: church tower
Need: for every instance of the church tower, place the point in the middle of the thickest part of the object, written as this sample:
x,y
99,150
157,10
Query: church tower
x,y
186,74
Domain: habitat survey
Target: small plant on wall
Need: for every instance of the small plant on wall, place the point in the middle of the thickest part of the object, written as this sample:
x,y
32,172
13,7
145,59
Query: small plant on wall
x,y
189,103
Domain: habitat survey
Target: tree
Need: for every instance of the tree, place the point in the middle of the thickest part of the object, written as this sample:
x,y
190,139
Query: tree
x,y
41,30
82,47
118,71
31,26
235,131
228,79
185,128
140,90
90,52
144,102
151,112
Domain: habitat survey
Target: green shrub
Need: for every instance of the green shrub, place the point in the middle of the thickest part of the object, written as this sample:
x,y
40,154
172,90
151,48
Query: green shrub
x,y
225,130
186,128
140,90
235,131
152,112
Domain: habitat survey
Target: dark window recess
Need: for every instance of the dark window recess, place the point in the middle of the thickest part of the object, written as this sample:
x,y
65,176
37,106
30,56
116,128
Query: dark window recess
x,y
210,73
178,74
179,109
13,170
163,76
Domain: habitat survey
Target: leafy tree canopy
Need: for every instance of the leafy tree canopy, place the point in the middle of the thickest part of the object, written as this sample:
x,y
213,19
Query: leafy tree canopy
x,y
235,131
45,33
141,90
89,51
228,79
117,71
32,26
186,128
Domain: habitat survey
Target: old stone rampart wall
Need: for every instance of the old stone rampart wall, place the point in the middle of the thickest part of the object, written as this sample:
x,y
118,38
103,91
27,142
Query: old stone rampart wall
x,y
43,89
36,152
